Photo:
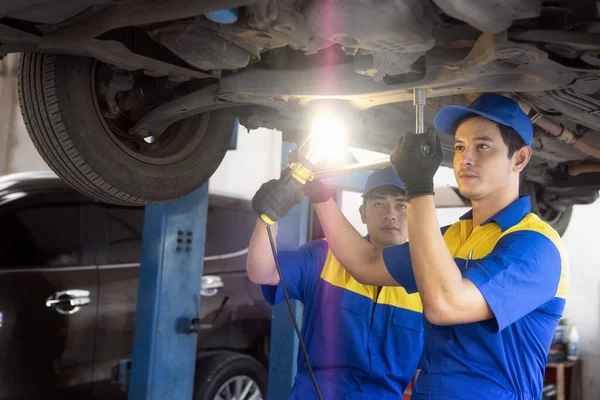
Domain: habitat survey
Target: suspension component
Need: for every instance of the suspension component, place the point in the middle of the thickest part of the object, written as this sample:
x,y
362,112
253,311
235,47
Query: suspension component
x,y
154,91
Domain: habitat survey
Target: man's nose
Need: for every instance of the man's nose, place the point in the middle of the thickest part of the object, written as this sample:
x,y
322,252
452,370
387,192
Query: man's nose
x,y
389,214
467,158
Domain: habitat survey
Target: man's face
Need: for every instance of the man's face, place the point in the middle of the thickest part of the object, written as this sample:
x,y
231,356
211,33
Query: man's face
x,y
385,216
481,163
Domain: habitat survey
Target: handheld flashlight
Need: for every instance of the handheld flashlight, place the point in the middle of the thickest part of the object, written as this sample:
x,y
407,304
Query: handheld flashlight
x,y
324,143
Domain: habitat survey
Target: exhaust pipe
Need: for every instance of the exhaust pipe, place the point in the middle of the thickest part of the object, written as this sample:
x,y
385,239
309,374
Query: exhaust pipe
x,y
559,131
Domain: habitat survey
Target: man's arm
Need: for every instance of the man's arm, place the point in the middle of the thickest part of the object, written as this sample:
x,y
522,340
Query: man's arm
x,y
300,268
260,264
357,255
274,199
447,297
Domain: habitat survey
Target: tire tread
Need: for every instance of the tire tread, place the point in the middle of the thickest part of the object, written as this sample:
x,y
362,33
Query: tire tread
x,y
44,122
211,367
50,131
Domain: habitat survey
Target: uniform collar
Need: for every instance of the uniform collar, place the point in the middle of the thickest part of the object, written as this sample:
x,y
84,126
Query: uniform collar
x,y
509,216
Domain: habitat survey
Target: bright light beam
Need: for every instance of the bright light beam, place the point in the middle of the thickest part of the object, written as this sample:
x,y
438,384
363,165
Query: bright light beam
x,y
327,139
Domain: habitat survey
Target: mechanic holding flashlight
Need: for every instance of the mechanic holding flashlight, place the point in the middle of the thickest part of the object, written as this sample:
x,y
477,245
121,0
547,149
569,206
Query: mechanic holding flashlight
x,y
494,284
363,341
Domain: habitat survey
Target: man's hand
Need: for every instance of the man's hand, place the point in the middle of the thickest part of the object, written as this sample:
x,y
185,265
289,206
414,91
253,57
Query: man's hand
x,y
275,199
416,159
317,192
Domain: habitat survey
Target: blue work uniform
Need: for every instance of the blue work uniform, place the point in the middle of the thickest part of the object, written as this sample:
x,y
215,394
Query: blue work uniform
x,y
363,342
519,267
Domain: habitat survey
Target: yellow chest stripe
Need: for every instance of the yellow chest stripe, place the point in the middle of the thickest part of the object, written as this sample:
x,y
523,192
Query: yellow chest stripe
x,y
396,296
461,238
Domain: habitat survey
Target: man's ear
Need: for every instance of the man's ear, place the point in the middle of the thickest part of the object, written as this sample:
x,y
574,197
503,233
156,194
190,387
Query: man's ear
x,y
363,213
521,158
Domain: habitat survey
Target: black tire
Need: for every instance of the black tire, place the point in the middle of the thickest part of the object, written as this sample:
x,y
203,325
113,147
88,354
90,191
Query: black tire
x,y
215,370
559,220
60,109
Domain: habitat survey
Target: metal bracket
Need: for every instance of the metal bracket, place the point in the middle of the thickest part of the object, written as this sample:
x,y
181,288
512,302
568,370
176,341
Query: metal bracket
x,y
191,325
120,374
108,51
156,121
120,81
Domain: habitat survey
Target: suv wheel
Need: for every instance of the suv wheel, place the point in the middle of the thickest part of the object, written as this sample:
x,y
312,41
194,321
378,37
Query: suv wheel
x,y
229,375
78,112
558,219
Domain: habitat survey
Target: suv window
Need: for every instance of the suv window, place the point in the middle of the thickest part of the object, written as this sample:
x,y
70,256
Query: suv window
x,y
227,230
124,228
46,235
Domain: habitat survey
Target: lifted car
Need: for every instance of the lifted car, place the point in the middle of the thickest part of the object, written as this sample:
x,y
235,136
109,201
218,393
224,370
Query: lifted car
x,y
134,101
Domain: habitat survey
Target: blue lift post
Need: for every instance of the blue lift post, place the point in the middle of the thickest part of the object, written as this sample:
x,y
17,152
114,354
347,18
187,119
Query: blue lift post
x,y
168,305
292,232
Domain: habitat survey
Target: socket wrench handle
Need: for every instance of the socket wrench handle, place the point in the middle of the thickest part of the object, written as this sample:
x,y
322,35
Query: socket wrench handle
x,y
419,101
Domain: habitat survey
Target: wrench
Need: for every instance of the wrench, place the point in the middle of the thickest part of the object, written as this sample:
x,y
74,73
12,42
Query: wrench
x,y
419,101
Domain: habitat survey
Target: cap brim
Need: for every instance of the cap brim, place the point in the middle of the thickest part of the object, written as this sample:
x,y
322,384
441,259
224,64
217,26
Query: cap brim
x,y
446,120
383,184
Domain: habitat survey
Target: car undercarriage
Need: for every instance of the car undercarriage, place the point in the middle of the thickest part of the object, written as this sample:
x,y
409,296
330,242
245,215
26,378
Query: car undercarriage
x,y
162,77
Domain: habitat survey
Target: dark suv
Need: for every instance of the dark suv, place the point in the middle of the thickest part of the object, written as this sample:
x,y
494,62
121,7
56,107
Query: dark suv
x,y
68,287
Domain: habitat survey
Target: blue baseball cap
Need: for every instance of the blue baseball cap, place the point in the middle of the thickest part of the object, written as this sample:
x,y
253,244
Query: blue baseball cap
x,y
492,106
383,177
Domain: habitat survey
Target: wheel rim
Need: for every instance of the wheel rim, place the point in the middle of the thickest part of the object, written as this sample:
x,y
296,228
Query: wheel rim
x,y
239,387
549,214
174,145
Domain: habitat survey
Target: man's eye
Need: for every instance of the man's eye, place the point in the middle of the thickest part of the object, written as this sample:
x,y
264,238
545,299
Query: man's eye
x,y
483,146
402,206
459,148
378,204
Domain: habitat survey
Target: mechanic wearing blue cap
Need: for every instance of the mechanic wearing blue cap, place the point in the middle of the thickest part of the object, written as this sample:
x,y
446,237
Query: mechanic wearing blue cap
x,y
494,284
364,342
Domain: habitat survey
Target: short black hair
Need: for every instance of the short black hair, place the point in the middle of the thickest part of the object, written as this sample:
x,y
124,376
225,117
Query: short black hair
x,y
510,137
386,190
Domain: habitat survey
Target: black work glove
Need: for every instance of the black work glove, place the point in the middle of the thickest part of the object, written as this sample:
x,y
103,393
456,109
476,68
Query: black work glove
x,y
275,199
317,192
416,159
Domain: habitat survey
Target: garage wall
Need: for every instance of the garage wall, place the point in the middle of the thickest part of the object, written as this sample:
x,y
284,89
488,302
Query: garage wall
x,y
583,304
22,155
258,151
17,153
